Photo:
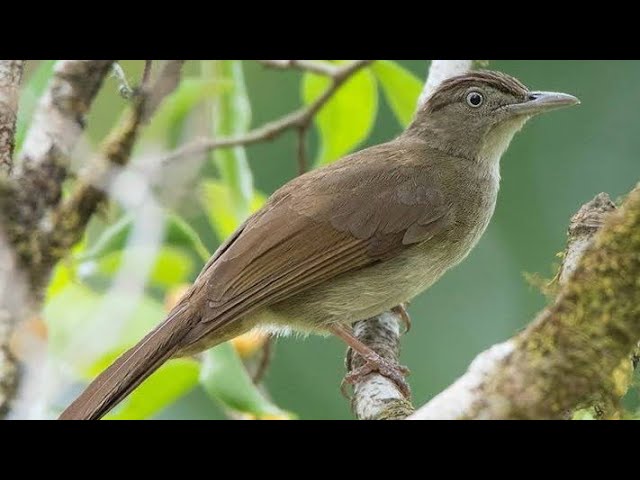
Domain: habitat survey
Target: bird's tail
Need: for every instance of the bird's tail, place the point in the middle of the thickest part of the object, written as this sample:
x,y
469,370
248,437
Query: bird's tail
x,y
130,369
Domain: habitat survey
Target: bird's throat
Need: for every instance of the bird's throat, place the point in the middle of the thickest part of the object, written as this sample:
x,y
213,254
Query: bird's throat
x,y
496,142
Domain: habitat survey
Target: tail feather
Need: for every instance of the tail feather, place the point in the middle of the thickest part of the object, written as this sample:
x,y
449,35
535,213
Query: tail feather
x,y
130,369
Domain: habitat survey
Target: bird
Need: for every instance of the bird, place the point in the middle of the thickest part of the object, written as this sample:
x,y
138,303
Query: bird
x,y
350,240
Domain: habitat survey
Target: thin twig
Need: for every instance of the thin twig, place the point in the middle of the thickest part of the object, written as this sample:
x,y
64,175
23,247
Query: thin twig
x,y
124,89
302,150
439,71
299,119
265,360
10,77
167,82
311,66
146,73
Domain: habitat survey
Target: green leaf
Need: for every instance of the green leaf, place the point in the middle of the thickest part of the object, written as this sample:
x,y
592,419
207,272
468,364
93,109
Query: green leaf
x,y
232,117
63,275
29,97
216,198
171,265
170,382
401,89
346,120
178,233
225,379
166,125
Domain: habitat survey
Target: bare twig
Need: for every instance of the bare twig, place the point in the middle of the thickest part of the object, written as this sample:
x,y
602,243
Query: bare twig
x,y
302,150
124,89
439,71
167,82
146,73
572,353
299,119
10,77
311,66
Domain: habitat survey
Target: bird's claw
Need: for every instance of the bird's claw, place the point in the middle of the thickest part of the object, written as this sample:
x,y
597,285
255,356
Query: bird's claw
x,y
386,368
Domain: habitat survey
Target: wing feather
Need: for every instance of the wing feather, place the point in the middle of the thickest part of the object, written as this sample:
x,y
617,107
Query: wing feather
x,y
321,225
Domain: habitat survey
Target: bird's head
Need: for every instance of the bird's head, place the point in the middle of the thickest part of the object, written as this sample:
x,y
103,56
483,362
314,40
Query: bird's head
x,y
476,115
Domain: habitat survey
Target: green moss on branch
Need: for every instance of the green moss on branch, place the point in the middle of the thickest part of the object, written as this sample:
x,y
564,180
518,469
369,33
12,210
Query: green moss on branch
x,y
568,356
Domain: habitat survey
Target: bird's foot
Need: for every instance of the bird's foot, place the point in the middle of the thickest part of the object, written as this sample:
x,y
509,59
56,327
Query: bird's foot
x,y
374,363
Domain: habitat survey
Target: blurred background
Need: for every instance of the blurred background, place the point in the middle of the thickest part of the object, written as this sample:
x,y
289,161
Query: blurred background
x,y
555,164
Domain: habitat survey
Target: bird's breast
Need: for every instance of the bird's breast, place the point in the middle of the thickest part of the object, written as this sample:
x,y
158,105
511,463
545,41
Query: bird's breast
x,y
473,209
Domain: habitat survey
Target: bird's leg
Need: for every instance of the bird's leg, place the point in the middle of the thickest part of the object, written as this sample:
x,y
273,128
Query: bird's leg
x,y
265,359
373,362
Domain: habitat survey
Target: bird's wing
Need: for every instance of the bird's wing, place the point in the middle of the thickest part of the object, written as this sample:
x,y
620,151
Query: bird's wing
x,y
366,208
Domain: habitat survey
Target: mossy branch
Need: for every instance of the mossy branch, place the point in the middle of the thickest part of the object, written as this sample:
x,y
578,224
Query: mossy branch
x,y
10,77
578,350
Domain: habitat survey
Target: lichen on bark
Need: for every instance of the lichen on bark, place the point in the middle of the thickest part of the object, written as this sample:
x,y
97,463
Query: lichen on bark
x,y
568,356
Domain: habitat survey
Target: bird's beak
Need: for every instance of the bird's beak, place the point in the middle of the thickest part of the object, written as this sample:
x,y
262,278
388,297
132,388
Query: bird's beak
x,y
540,102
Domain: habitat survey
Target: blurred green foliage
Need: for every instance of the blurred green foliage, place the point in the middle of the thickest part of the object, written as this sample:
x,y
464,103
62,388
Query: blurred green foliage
x,y
346,120
557,163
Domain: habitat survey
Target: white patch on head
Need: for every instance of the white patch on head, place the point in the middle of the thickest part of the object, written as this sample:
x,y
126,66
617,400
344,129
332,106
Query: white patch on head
x,y
496,142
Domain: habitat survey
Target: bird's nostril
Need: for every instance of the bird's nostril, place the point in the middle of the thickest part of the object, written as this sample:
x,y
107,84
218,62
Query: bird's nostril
x,y
533,96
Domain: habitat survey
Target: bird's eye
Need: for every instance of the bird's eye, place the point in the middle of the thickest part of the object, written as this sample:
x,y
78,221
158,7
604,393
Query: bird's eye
x,y
474,99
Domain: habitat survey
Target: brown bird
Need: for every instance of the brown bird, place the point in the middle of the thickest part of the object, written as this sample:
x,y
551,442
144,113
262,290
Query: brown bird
x,y
350,240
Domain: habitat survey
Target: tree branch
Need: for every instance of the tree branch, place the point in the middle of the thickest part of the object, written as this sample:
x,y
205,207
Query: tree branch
x,y
311,66
376,397
301,150
10,77
146,73
439,71
299,119
57,125
24,199
570,354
